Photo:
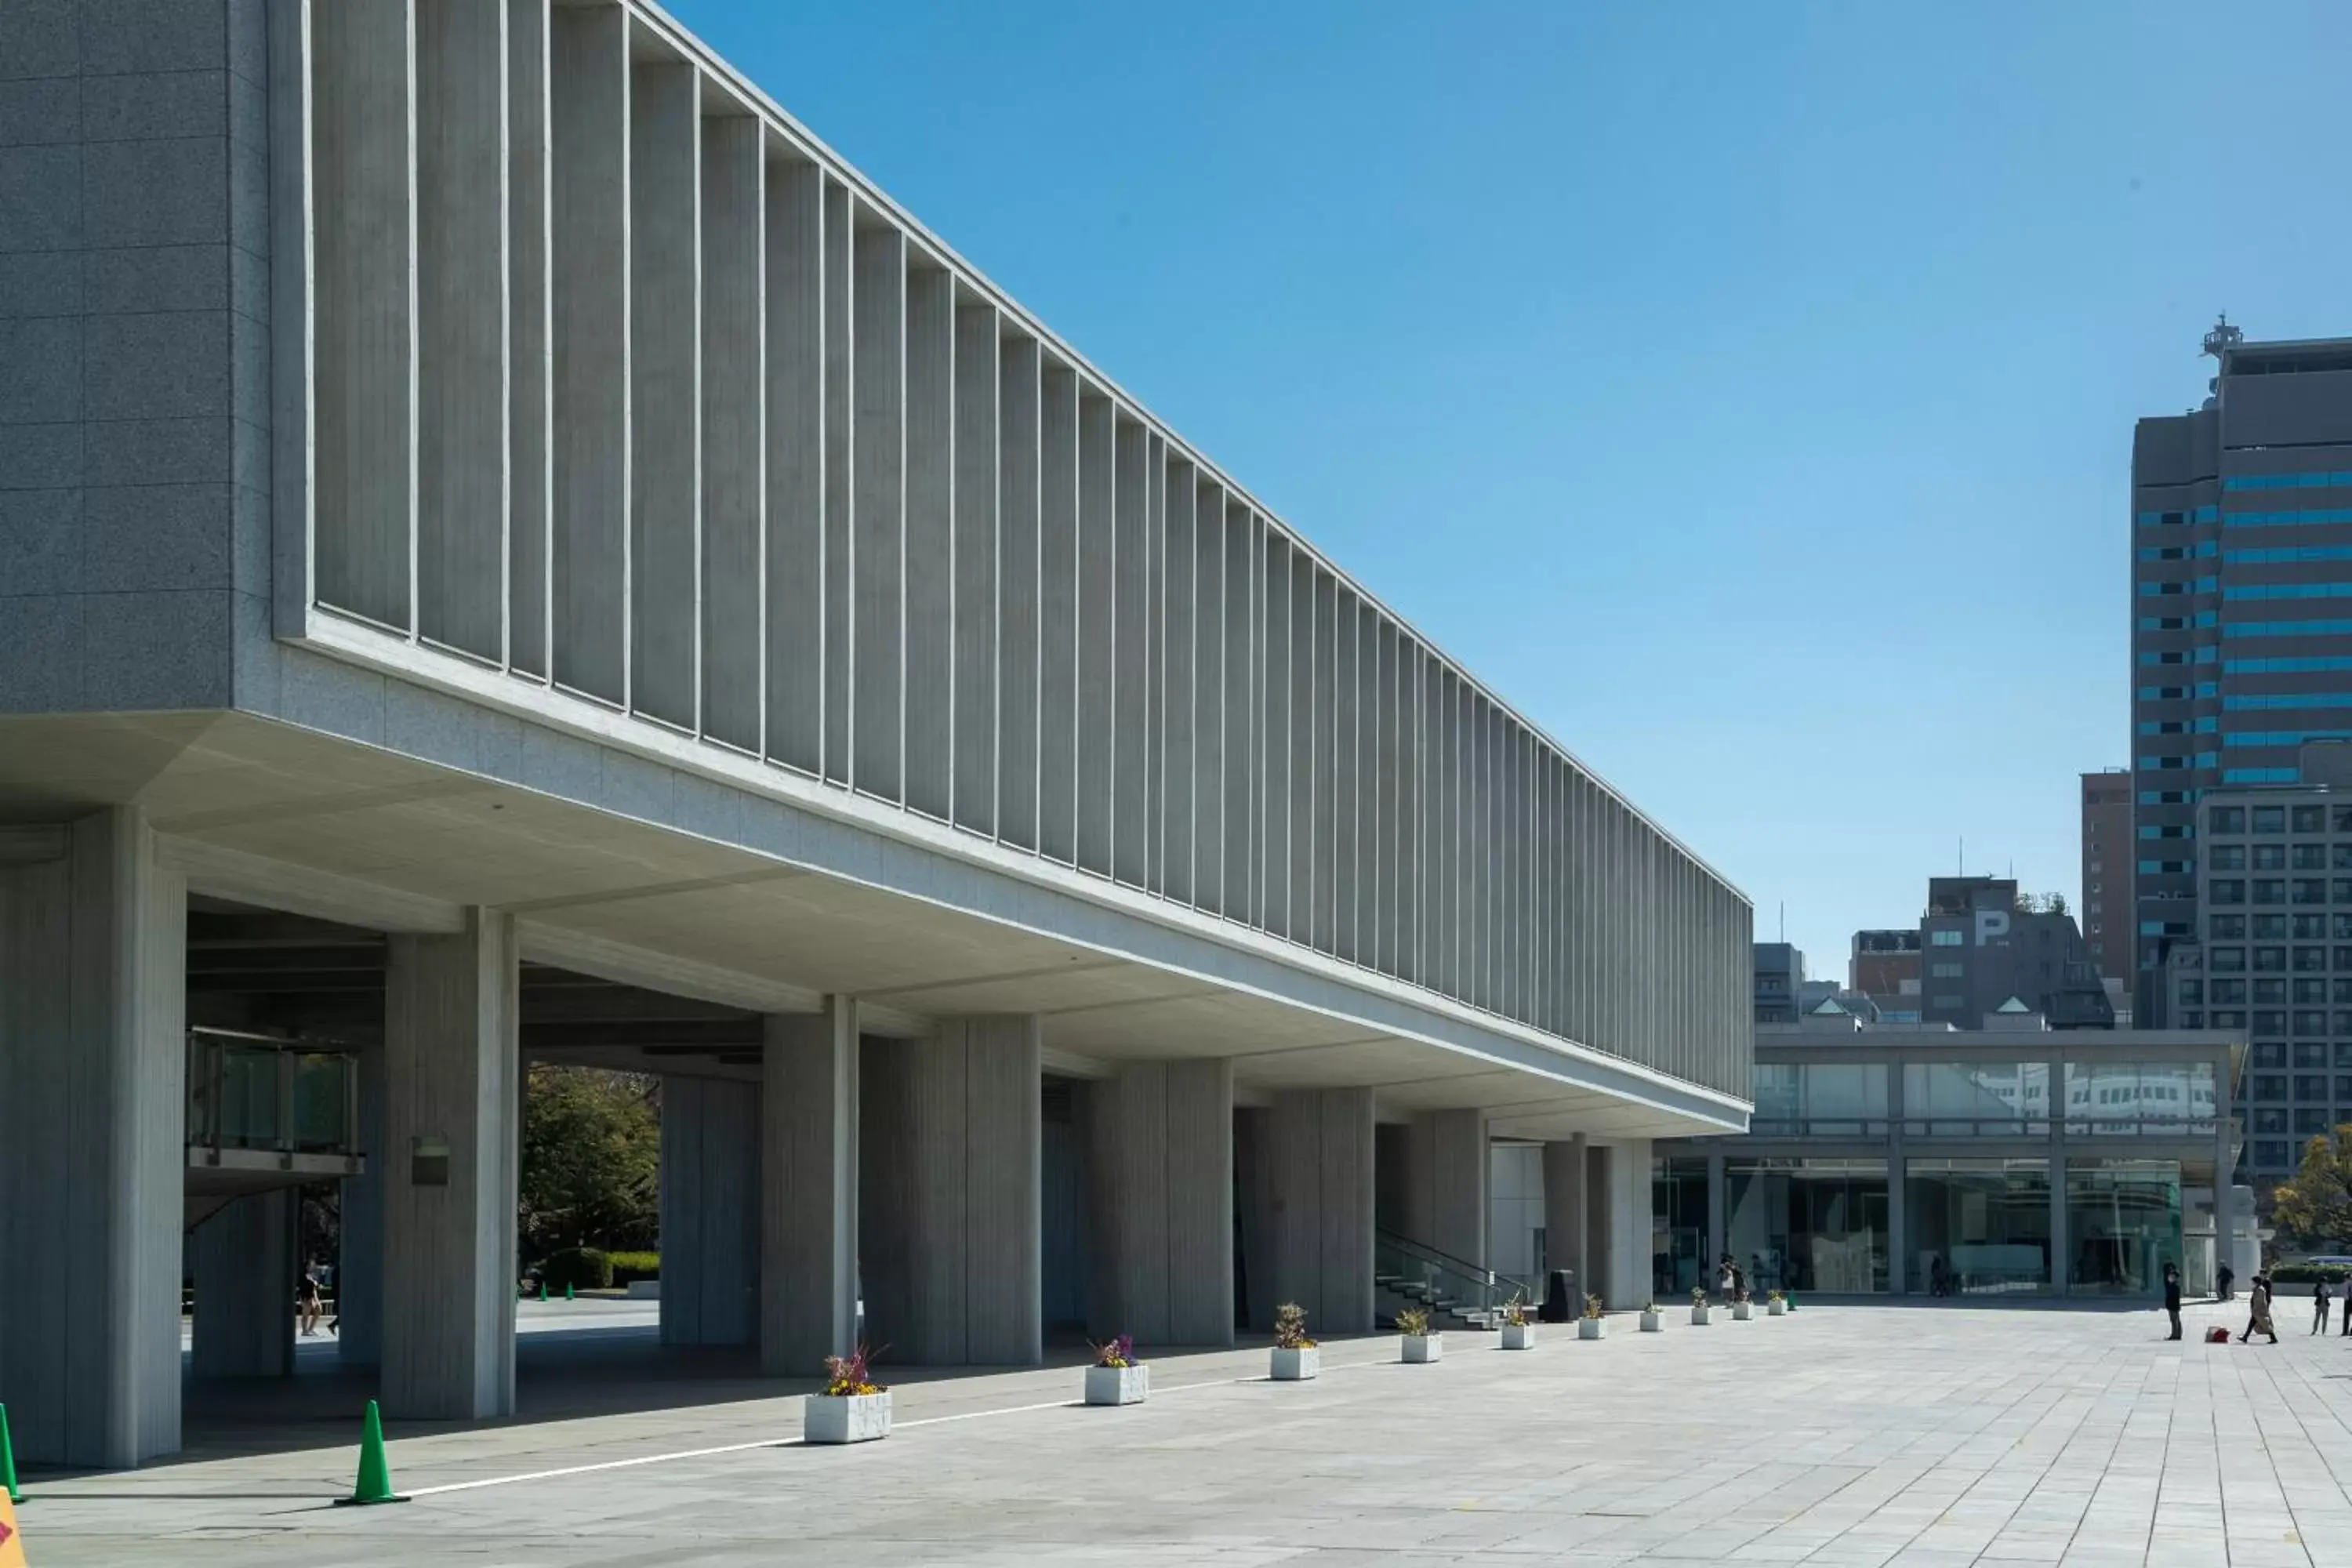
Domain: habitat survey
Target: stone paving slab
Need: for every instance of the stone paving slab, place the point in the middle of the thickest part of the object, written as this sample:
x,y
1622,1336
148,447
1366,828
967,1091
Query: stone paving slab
x,y
1840,1436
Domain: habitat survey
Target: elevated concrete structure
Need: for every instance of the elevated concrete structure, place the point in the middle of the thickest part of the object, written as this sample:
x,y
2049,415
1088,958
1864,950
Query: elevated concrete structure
x,y
488,491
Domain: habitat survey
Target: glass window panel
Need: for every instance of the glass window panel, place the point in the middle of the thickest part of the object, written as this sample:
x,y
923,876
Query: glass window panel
x,y
1965,1099
1808,1224
1977,1228
2123,1226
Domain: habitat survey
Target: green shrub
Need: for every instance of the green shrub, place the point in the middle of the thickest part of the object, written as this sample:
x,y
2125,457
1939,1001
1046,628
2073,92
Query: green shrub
x,y
2309,1274
628,1266
581,1268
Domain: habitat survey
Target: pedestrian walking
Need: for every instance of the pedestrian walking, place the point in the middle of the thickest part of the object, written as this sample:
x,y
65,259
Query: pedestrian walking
x,y
2172,1298
307,1305
2258,1312
2319,1306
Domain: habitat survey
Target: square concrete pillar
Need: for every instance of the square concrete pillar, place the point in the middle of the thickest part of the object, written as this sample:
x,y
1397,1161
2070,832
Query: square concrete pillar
x,y
808,1190
451,1125
1162,1154
359,1263
949,1194
1446,1173
1321,1160
1630,1225
93,1129
1566,1178
242,1261
710,1200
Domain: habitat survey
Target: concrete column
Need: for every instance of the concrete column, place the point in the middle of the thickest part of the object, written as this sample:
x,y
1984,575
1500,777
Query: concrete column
x,y
93,1128
1718,1226
1321,1167
1253,1178
242,1261
1599,1247
1897,1224
1161,1152
948,1193
808,1190
710,1211
1446,1173
359,1267
1565,1208
452,1081
1631,1224
2061,1245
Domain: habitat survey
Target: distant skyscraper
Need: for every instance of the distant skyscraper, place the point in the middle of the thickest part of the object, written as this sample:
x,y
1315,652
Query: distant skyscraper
x,y
2109,856
2241,584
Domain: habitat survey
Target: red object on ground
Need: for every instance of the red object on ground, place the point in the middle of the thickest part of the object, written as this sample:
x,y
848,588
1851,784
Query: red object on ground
x,y
2217,1336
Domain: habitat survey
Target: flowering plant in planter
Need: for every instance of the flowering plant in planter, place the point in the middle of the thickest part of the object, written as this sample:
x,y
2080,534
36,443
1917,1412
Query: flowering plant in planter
x,y
1519,1333
1116,1377
1421,1343
1651,1323
852,1407
1774,1304
1592,1327
1699,1313
850,1376
1295,1358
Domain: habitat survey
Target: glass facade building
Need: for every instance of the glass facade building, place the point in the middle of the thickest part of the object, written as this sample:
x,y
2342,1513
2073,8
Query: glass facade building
x,y
1980,1164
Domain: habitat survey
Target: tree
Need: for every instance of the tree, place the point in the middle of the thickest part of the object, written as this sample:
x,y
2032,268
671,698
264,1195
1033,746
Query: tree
x,y
590,1160
2315,1205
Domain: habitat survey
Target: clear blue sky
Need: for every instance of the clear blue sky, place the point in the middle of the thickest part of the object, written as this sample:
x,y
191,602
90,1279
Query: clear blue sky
x,y
1744,391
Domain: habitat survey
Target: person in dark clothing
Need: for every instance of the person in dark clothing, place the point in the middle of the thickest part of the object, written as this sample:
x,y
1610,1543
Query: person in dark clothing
x,y
2319,1306
2222,1280
2172,1298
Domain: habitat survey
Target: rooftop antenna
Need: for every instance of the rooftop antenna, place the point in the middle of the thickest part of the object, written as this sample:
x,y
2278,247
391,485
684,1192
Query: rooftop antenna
x,y
2218,341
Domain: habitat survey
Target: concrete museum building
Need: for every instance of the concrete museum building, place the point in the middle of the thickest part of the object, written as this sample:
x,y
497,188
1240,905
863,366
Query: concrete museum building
x,y
511,550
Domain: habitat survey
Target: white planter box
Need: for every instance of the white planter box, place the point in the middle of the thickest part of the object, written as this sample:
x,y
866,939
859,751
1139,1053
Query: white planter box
x,y
1742,1310
1518,1336
1118,1384
858,1418
1654,1322
1702,1316
1592,1327
1295,1366
1421,1349
1776,1309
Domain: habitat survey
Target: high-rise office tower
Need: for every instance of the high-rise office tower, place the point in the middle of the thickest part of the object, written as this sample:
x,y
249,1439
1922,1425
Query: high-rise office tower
x,y
2108,861
2242,586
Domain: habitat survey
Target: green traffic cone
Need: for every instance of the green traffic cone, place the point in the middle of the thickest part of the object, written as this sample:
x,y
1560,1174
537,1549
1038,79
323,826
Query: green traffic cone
x,y
543,1289
8,1460
374,1483
567,1291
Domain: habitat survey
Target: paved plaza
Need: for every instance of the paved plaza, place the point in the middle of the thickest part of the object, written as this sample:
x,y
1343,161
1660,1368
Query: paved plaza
x,y
1846,1436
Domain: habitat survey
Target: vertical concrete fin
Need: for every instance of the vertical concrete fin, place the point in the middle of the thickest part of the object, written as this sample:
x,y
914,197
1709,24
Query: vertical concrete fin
x,y
665,576
734,433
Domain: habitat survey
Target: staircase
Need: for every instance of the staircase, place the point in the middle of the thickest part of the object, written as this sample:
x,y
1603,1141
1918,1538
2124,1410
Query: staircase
x,y
1455,1293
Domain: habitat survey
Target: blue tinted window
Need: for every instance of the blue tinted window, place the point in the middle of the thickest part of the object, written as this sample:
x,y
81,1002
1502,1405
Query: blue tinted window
x,y
2280,554
2300,517
2308,664
2312,481
2258,775
2266,701
2288,629
2284,737
2253,591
